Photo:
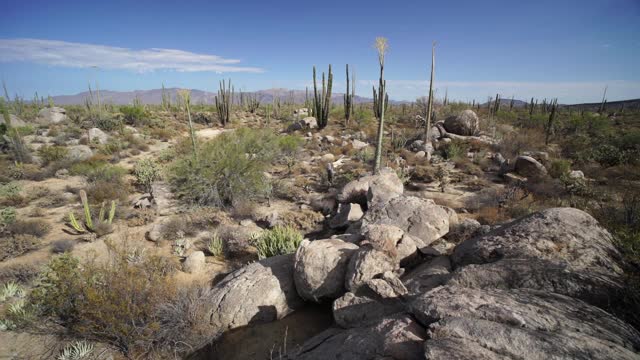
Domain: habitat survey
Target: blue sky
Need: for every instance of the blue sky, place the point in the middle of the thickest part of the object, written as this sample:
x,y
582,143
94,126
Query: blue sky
x,y
563,48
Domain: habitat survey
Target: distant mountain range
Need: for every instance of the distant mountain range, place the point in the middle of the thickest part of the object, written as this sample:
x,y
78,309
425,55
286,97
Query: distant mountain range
x,y
267,96
197,96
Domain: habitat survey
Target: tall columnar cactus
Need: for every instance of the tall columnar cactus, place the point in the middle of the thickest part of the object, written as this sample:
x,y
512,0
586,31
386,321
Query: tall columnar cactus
x,y
166,99
348,98
496,104
430,100
223,102
380,100
604,100
531,107
186,99
552,118
322,99
253,103
307,101
511,104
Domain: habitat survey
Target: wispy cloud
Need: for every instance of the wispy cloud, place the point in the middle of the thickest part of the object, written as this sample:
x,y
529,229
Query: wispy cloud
x,y
79,55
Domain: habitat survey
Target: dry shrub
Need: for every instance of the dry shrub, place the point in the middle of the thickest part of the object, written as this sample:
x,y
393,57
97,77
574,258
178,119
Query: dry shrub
x,y
17,245
33,227
513,144
62,246
492,215
117,301
177,226
21,273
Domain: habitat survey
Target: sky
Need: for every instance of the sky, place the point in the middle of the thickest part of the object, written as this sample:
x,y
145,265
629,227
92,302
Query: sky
x,y
567,49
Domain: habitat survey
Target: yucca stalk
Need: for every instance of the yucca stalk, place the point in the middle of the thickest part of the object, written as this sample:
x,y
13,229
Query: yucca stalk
x,y
186,98
322,100
430,101
381,45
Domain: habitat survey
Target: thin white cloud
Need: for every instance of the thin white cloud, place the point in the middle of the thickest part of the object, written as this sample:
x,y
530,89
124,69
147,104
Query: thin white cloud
x,y
567,92
79,55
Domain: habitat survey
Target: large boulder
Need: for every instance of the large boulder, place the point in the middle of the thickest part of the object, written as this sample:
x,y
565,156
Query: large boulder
x,y
391,240
79,152
393,337
364,308
380,187
51,115
194,263
566,234
421,218
263,291
529,167
98,136
347,214
466,123
428,275
366,264
524,324
14,121
320,268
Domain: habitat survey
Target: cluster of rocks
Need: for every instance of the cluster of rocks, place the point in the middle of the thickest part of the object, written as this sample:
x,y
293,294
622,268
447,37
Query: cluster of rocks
x,y
538,287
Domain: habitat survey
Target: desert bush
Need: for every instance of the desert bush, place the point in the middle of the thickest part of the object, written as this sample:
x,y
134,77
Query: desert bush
x,y
559,167
33,227
147,172
20,273
62,246
289,144
105,183
278,241
7,216
77,351
115,301
134,114
16,245
107,123
51,153
454,150
228,169
177,226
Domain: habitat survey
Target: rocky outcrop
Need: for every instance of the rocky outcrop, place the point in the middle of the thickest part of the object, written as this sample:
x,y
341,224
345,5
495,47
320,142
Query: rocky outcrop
x,y
51,115
305,124
259,292
466,123
529,167
366,264
79,152
524,323
421,218
372,188
98,136
395,337
347,214
320,268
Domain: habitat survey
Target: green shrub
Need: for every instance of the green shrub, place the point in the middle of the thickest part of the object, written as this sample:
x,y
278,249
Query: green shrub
x,y
108,123
106,183
133,115
559,167
214,245
229,169
608,155
454,150
278,241
146,172
51,153
7,216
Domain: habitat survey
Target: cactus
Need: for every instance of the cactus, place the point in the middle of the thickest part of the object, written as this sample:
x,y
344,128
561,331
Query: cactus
x,y
186,97
322,100
252,102
511,104
223,102
166,99
531,107
552,118
430,103
89,225
348,99
380,100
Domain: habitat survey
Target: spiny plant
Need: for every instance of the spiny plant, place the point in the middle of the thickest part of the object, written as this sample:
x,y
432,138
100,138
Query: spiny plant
x,y
146,172
278,241
76,351
430,104
253,103
166,99
223,102
214,245
348,98
186,98
322,99
89,226
552,117
380,99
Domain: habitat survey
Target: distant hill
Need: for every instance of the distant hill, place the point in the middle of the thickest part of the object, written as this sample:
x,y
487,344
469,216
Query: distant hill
x,y
197,96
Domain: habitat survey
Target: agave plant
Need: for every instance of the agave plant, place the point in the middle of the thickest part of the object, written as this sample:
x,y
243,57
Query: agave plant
x,y
89,225
77,351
